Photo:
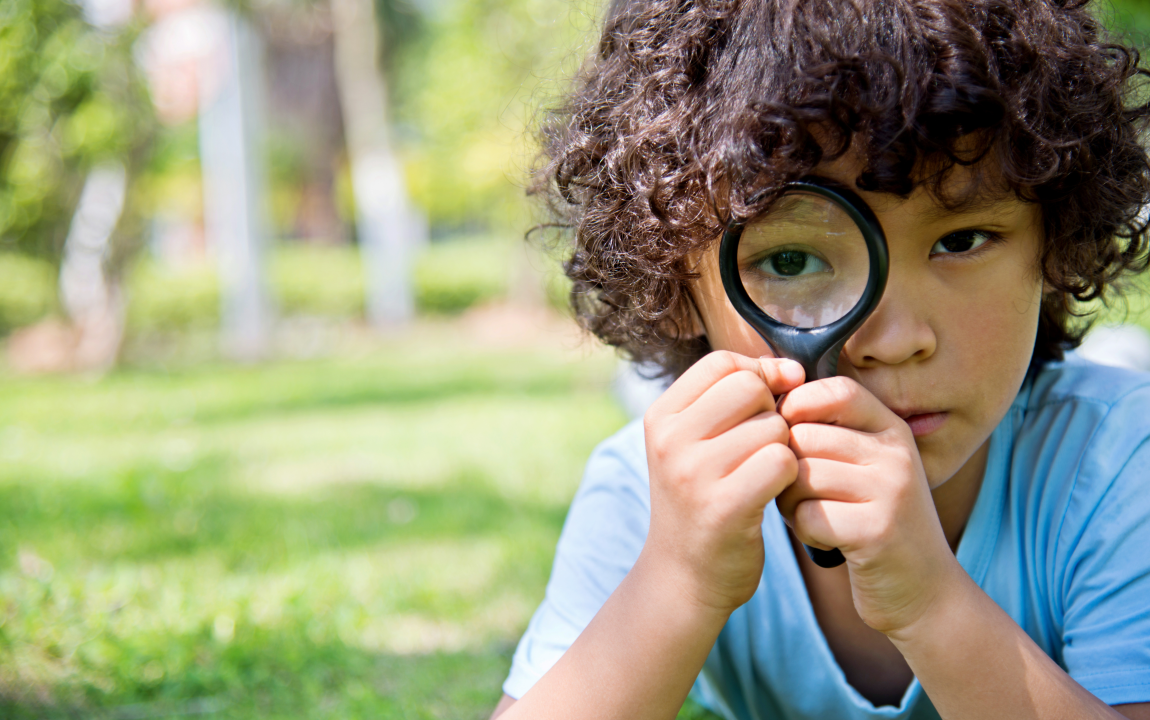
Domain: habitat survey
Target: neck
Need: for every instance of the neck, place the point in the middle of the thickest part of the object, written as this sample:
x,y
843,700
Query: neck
x,y
954,499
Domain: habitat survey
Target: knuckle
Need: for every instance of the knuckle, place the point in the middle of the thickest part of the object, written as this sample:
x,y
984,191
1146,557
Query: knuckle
x,y
897,436
651,420
770,369
843,389
779,452
800,432
777,428
693,467
803,515
788,462
881,528
655,411
748,382
724,361
660,441
781,459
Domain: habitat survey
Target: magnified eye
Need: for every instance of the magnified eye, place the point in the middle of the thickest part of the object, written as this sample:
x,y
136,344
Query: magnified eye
x,y
961,241
791,263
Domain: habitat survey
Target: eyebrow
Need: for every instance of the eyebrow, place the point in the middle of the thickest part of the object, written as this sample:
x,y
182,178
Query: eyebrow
x,y
978,206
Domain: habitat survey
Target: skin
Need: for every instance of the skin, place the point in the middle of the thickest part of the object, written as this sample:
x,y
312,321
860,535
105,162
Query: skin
x,y
884,462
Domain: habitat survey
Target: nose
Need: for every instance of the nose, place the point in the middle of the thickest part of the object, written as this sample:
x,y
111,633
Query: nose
x,y
898,331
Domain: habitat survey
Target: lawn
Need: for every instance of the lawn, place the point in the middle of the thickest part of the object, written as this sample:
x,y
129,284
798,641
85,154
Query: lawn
x,y
335,538
359,536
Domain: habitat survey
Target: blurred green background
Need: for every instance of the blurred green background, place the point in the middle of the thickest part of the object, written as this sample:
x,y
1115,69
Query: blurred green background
x,y
360,523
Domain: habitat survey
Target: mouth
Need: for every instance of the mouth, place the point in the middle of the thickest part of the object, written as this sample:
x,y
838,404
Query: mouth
x,y
922,422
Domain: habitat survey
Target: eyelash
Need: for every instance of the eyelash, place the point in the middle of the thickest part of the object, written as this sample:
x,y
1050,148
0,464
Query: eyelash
x,y
990,239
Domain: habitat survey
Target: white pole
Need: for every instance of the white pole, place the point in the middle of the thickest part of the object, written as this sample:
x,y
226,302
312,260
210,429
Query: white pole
x,y
229,132
388,228
91,301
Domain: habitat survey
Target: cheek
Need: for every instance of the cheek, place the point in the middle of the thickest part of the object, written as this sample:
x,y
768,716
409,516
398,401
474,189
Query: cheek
x,y
730,332
991,338
725,329
996,327
986,331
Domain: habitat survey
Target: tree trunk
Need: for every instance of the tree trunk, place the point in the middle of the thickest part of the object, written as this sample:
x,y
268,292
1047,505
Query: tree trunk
x,y
91,299
387,227
231,124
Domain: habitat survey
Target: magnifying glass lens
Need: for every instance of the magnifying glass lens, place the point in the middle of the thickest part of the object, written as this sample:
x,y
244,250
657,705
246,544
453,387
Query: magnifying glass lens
x,y
806,276
805,264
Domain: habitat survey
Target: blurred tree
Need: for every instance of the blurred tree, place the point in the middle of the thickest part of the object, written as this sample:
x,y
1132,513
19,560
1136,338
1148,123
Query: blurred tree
x,y
387,229
1131,17
467,94
461,80
70,99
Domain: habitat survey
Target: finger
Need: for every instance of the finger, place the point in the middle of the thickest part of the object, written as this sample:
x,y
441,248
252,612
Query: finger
x,y
700,377
832,442
818,479
829,524
729,402
732,448
779,374
814,521
762,476
838,401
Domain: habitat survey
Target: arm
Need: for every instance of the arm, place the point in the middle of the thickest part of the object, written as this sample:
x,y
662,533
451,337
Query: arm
x,y
968,652
637,659
974,661
504,702
717,454
861,488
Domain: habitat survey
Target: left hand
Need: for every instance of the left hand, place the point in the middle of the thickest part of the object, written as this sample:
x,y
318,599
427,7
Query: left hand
x,y
861,488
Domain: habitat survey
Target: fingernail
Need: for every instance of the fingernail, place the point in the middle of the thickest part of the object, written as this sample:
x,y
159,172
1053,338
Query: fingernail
x,y
792,371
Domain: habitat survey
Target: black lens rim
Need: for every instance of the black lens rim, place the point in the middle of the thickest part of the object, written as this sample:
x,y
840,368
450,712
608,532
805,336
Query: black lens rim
x,y
816,349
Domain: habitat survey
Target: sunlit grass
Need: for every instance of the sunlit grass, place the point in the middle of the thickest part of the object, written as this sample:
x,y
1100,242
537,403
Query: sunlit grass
x,y
356,537
336,538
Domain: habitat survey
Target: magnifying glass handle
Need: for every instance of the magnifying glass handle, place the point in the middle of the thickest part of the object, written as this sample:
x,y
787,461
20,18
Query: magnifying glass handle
x,y
826,367
825,558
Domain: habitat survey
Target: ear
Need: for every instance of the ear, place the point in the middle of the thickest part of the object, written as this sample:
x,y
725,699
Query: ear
x,y
696,328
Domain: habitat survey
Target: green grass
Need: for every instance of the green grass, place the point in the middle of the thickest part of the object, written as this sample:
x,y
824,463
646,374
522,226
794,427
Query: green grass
x,y
327,539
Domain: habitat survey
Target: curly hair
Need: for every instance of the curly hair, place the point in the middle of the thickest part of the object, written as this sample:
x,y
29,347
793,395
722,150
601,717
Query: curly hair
x,y
690,112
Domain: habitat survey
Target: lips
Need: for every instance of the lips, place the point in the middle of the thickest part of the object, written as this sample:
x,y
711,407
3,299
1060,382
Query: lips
x,y
922,422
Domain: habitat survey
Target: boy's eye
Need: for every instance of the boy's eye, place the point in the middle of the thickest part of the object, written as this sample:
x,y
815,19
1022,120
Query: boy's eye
x,y
790,263
961,241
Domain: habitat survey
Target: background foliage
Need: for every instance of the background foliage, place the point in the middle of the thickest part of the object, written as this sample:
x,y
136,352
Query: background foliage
x,y
467,92
70,96
466,79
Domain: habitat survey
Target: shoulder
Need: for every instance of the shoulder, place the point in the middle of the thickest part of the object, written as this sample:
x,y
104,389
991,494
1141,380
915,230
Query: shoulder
x,y
1080,407
1082,450
626,446
612,508
1077,380
618,463
1080,468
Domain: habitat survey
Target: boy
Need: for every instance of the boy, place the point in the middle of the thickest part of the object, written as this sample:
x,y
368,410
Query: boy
x,y
991,502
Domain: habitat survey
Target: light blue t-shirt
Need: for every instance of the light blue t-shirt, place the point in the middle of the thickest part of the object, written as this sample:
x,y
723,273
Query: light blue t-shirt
x,y
1059,537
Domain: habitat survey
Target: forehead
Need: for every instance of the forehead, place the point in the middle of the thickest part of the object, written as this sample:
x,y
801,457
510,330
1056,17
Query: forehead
x,y
964,192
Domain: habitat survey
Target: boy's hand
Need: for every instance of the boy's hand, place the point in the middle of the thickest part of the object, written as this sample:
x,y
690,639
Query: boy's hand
x,y
861,488
717,453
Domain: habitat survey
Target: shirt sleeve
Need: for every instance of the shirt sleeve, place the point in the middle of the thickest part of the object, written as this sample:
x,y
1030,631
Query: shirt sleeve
x,y
601,539
1104,544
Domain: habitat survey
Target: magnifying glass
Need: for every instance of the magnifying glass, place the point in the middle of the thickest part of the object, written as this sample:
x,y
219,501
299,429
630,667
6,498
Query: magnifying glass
x,y
806,276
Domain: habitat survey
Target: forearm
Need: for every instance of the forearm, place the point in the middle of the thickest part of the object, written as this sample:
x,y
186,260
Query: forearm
x,y
637,658
974,661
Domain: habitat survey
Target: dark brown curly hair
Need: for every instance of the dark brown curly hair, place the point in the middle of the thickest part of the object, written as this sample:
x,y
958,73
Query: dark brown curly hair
x,y
691,111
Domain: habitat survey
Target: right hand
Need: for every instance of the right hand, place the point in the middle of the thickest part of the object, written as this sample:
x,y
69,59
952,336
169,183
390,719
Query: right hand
x,y
717,454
